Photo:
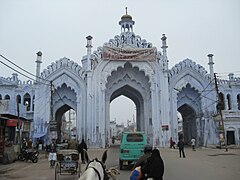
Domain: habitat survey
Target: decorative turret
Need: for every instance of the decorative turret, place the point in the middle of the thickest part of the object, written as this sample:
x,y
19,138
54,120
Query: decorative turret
x,y
89,49
211,63
164,48
38,68
126,23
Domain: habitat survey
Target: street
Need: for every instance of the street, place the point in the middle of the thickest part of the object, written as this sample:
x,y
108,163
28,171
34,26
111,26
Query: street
x,y
204,163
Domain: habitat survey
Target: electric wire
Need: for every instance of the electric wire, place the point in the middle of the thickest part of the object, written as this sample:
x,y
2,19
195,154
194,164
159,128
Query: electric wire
x,y
22,70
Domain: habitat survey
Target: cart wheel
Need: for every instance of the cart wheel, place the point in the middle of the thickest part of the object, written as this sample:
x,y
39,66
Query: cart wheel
x,y
57,172
79,169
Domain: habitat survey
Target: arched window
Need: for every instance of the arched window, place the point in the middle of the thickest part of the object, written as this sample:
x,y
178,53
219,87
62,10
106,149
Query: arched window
x,y
27,101
0,97
229,101
18,99
238,101
7,97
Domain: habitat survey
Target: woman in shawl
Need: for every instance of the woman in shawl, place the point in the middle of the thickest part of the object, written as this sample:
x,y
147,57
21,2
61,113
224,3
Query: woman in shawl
x,y
154,167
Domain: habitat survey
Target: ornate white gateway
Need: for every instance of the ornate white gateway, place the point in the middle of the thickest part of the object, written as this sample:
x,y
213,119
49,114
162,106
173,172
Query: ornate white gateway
x,y
130,66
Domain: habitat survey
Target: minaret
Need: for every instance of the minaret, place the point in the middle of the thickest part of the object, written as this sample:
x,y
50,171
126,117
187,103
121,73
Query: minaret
x,y
89,49
126,23
164,48
211,63
38,61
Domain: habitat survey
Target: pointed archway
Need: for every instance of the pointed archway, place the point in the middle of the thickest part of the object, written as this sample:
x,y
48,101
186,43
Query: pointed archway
x,y
137,98
189,122
64,100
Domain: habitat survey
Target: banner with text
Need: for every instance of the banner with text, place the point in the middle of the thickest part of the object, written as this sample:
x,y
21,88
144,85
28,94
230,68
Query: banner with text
x,y
128,53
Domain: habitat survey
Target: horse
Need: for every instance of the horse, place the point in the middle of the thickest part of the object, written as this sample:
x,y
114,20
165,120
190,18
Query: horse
x,y
95,169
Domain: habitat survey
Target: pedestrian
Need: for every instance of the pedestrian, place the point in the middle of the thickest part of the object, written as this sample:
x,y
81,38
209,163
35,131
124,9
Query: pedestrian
x,y
136,169
24,144
52,153
193,143
143,159
181,148
81,147
154,167
172,143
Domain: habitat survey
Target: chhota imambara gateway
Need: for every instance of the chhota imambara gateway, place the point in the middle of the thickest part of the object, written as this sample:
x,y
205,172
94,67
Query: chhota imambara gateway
x,y
130,66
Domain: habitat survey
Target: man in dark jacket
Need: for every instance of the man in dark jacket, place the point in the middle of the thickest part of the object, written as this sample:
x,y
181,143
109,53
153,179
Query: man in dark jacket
x,y
81,147
52,157
154,167
181,148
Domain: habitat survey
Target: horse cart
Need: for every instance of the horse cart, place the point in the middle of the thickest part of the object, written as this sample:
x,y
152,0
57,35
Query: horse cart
x,y
67,163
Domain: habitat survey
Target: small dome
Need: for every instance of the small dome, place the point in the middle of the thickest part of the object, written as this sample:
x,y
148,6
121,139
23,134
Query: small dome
x,y
126,16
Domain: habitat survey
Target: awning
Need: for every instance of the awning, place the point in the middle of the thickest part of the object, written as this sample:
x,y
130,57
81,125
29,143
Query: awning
x,y
39,134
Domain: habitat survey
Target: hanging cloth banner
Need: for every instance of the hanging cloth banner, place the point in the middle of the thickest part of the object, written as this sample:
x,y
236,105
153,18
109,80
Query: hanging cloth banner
x,y
128,53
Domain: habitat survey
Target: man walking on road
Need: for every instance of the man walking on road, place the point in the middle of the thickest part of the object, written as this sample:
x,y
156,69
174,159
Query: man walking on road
x,y
181,148
81,148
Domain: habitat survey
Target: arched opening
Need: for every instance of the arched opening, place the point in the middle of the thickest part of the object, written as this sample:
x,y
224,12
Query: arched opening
x,y
238,101
189,128
137,99
64,106
229,102
7,97
18,99
0,97
189,106
122,116
27,101
65,117
221,104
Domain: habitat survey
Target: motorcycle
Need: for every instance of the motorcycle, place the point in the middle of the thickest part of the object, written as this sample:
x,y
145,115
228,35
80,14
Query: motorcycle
x,y
28,154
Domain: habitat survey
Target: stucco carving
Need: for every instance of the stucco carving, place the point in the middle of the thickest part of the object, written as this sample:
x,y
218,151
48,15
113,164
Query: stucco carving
x,y
64,62
188,63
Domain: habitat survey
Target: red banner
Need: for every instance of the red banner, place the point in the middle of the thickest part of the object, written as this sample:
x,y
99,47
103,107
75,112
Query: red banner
x,y
13,122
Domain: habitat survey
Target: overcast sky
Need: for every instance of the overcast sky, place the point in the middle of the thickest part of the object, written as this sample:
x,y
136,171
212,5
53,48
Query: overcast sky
x,y
58,28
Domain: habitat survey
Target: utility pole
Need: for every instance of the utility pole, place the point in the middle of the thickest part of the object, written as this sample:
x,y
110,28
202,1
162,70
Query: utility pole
x,y
18,125
69,125
219,109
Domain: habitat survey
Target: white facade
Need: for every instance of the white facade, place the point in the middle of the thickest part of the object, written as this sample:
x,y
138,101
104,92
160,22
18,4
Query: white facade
x,y
157,91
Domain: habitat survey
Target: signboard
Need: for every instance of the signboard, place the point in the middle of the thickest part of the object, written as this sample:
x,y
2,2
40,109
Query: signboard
x,y
165,127
53,134
129,53
13,122
53,125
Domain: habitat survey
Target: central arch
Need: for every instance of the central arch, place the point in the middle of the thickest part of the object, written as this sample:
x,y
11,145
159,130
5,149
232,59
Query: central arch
x,y
132,83
137,98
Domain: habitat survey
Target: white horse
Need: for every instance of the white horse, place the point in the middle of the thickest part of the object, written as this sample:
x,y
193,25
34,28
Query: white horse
x,y
96,169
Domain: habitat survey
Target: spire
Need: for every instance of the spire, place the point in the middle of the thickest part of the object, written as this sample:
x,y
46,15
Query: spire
x,y
164,48
211,63
126,22
38,68
89,49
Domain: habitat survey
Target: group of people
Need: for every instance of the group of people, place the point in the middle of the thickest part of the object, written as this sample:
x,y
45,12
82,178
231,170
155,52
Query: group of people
x,y
52,149
149,165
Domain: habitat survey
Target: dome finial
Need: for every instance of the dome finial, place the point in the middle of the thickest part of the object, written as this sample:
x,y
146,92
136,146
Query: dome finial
x,y
126,10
